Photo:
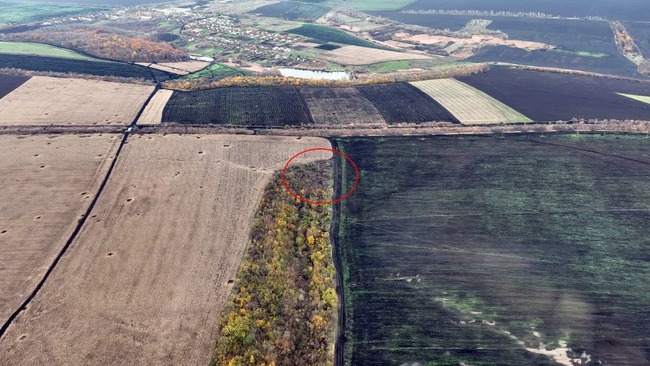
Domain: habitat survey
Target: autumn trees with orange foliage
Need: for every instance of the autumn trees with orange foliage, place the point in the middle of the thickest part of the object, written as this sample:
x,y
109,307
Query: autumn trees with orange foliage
x,y
283,307
263,80
105,44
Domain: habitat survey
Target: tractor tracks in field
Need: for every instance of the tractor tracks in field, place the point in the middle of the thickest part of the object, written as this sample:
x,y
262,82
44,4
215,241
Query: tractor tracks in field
x,y
80,223
591,151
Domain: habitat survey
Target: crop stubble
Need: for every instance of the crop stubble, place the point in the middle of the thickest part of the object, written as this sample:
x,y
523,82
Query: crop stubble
x,y
356,55
469,105
47,101
47,183
147,277
153,112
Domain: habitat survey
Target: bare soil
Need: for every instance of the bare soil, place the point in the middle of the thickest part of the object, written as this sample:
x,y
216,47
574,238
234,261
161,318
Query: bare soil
x,y
147,278
47,184
152,114
57,101
355,55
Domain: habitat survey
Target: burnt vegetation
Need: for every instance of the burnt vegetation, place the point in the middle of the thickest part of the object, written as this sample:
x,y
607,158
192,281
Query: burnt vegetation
x,y
242,106
404,103
96,68
9,83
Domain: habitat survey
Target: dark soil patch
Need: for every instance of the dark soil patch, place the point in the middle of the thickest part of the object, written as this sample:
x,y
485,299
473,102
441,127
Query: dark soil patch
x,y
9,83
544,96
446,236
63,65
401,102
243,106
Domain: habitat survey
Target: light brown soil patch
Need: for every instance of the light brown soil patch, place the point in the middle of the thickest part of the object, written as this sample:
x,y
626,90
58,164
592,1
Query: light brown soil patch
x,y
355,55
57,101
47,184
478,40
147,278
152,114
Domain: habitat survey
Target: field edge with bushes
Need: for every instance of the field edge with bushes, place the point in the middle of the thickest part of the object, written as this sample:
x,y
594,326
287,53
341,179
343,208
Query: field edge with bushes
x,y
283,307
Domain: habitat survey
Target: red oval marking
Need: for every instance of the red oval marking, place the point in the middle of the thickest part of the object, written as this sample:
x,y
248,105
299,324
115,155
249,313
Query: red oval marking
x,y
286,186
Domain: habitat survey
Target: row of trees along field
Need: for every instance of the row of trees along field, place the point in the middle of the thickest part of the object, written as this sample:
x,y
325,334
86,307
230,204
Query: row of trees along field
x,y
262,80
105,44
283,307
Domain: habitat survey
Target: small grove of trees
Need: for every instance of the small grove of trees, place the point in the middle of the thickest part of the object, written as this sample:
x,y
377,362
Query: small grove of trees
x,y
103,44
283,307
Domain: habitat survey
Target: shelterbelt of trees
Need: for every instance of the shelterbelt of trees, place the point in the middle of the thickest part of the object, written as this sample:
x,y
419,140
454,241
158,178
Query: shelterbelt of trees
x,y
283,307
105,44
263,79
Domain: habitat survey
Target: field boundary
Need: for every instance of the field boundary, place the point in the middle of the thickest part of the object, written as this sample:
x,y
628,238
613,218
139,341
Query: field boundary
x,y
443,129
73,236
339,344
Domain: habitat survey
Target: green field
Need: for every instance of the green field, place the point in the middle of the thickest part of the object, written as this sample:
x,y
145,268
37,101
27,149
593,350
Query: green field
x,y
38,49
490,251
581,53
217,71
326,34
391,66
640,98
13,12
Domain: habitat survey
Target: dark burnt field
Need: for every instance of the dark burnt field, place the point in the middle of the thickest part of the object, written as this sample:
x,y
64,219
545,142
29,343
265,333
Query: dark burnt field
x,y
64,65
291,11
435,21
546,96
584,45
564,59
242,106
401,102
612,9
9,83
482,250
339,106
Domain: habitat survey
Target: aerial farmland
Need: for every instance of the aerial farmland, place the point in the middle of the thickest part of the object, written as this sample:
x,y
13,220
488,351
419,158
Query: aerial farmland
x,y
324,183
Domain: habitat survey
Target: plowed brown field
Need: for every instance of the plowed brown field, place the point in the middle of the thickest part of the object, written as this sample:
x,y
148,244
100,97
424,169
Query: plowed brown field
x,y
47,183
147,277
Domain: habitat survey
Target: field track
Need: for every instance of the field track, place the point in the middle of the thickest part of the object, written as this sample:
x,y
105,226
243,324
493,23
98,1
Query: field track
x,y
47,183
56,101
147,276
153,111
469,105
